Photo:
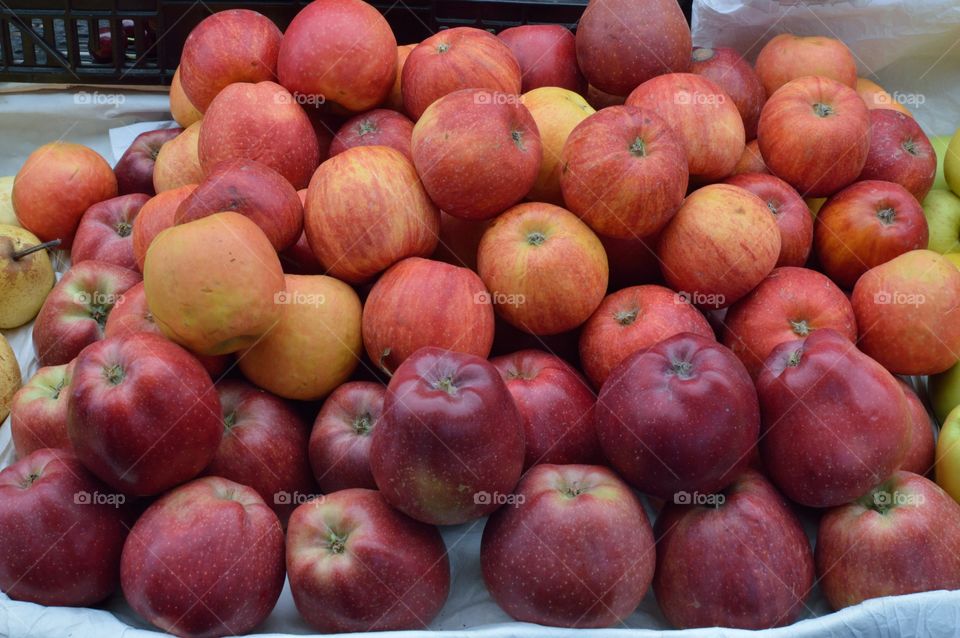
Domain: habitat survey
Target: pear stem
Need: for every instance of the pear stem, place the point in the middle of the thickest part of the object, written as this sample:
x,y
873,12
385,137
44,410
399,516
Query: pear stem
x,y
53,243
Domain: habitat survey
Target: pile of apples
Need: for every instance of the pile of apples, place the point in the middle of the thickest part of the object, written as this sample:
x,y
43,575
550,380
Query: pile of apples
x,y
733,262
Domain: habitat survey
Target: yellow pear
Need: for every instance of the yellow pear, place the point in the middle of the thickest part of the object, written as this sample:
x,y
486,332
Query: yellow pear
x,y
25,279
9,377
951,164
7,216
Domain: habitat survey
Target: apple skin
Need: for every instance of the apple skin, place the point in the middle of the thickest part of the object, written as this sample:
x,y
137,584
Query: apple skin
x,y
38,412
178,162
727,68
789,304
622,44
787,57
620,187
76,310
339,444
55,549
134,170
942,210
943,391
262,122
379,127
547,54
181,108
241,542
450,441
816,149
394,99
252,189
901,537
25,282
504,158
900,152
751,161
632,320
106,229
456,59
921,453
909,305
793,217
358,565
369,197
56,185
236,45
684,384
459,241
850,431
704,117
572,531
419,303
721,555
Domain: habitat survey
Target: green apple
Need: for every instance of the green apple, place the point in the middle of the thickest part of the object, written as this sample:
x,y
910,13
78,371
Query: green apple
x,y
944,392
9,377
951,164
940,144
953,258
942,210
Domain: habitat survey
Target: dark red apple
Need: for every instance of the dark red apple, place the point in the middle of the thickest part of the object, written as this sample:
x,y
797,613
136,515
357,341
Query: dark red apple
x,y
900,152
379,127
920,455
340,440
38,412
105,232
547,54
732,73
793,217
134,170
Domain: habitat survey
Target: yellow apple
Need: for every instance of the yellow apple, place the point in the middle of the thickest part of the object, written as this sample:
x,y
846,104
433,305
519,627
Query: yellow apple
x,y
940,144
951,164
183,111
9,377
944,392
7,216
24,281
942,210
876,97
947,464
178,162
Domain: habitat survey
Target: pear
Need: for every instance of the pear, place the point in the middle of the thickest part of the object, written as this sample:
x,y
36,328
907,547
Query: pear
x,y
9,377
26,275
951,164
7,215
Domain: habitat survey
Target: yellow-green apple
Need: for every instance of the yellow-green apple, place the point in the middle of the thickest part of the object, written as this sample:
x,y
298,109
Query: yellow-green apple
x,y
947,467
556,406
545,269
10,379
314,346
235,534
134,170
339,444
181,108
504,151
900,152
395,97
105,232
8,217
75,312
547,54
793,217
178,161
951,164
421,302
38,413
920,455
455,59
631,320
940,143
751,161
907,313
366,210
943,390
623,170
379,127
718,551
262,122
356,565
738,244
561,540
212,284
681,416
787,57
56,185
459,240
942,210
57,519
341,51
850,430
236,45
156,215
789,304
814,133
622,44
732,73
866,224
901,537
876,97
632,261
142,414
26,276
449,445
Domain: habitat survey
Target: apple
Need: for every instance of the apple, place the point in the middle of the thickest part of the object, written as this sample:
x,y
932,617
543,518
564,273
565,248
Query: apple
x,y
38,413
901,537
900,152
789,210
942,210
231,530
252,189
178,161
866,224
235,45
61,532
787,57
394,99
449,444
906,309
181,108
156,215
835,421
358,565
10,378
622,44
26,275
504,158
921,453
299,258
600,100
574,548
947,465
632,261
56,185
106,229
624,172
315,344
751,161
632,320
101,48
727,68
738,240
814,133
456,59
340,440
459,240
943,391
134,170
262,122
547,54
791,303
951,164
75,311
379,127
876,97
419,303
366,210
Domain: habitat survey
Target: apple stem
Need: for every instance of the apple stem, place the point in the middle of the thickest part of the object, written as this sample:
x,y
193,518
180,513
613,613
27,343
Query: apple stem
x,y
20,254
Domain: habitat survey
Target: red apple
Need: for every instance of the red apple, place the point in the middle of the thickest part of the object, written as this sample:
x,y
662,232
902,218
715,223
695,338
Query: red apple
x,y
380,127
38,412
632,261
624,172
787,57
600,100
573,548
134,170
900,152
105,231
239,541
679,417
155,216
340,439
793,217
547,54
727,68
358,565
449,444
920,455
459,240
751,161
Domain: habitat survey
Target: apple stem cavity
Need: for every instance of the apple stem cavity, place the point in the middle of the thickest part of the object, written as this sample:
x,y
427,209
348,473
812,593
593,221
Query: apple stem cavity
x,y
124,228
446,384
517,137
683,369
363,424
336,544
536,238
20,254
572,490
114,374
638,147
626,317
886,216
794,359
443,47
823,110
800,327
32,478
229,420
366,127
910,146
774,207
